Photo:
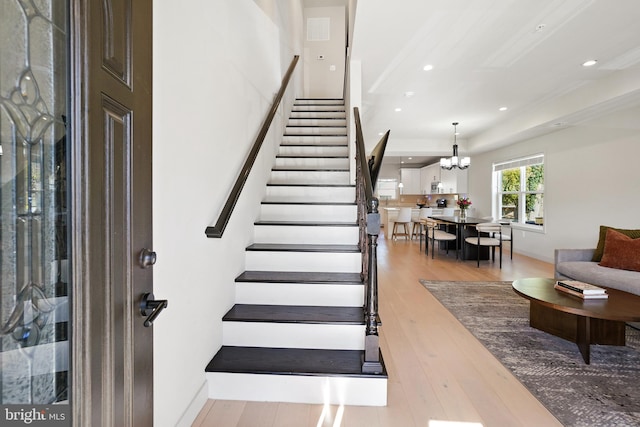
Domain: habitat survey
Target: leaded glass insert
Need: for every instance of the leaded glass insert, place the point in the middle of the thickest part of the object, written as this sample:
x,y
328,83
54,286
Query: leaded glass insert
x,y
34,309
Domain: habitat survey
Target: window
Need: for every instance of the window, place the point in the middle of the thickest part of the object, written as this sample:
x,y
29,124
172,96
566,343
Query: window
x,y
520,190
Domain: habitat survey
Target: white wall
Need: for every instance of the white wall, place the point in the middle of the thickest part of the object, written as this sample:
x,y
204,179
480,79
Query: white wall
x,y
217,67
322,81
591,179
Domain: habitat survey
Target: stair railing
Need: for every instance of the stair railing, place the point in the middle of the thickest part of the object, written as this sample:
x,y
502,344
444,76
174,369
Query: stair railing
x,y
369,223
218,229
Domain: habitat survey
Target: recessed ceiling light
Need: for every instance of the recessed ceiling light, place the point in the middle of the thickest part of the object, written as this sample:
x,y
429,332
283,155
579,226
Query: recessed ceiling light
x,y
428,67
410,158
590,63
380,133
398,109
503,108
409,94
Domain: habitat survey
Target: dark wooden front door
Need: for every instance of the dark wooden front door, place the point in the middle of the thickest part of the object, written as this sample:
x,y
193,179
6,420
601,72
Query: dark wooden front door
x,y
111,158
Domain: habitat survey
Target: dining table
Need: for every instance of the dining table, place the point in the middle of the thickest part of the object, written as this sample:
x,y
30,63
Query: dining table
x,y
462,231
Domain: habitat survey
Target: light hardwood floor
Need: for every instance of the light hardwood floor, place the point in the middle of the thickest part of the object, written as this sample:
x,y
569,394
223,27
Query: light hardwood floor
x,y
437,369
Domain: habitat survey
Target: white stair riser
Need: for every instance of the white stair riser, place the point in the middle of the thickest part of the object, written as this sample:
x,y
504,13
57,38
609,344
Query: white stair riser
x,y
315,130
309,177
318,101
311,194
318,115
313,150
306,234
343,213
293,335
329,107
318,122
313,163
314,139
303,261
312,389
332,295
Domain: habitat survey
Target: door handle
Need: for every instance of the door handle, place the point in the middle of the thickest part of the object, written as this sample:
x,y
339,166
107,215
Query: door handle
x,y
151,308
147,258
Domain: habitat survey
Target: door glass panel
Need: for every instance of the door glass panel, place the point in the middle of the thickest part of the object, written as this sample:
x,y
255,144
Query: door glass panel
x,y
34,269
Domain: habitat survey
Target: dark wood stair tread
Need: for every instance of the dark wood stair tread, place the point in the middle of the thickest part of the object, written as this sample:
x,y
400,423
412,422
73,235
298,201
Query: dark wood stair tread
x,y
277,184
312,144
295,314
266,202
295,247
318,126
299,277
309,223
290,361
299,156
307,169
305,135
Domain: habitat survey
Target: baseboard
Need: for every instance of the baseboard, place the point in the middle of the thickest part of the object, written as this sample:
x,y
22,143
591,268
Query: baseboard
x,y
194,408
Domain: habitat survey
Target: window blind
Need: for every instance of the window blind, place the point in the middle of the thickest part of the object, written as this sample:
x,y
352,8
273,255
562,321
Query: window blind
x,y
537,159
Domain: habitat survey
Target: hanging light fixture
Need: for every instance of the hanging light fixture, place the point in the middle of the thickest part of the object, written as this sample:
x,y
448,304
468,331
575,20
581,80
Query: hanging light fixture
x,y
454,161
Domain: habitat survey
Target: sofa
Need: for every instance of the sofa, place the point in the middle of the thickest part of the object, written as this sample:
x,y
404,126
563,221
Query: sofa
x,y
577,264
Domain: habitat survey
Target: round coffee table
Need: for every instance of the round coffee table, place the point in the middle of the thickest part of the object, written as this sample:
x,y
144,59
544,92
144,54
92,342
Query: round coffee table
x,y
585,322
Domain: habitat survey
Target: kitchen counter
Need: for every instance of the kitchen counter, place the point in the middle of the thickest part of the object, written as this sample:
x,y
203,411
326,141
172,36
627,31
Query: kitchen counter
x,y
388,215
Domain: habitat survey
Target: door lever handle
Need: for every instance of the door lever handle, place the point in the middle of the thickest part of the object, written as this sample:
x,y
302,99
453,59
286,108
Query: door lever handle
x,y
151,308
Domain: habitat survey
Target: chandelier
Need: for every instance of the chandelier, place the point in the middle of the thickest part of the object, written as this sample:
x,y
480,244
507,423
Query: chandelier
x,y
454,161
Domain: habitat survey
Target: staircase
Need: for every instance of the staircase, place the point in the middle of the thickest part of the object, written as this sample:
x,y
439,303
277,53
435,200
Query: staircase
x,y
296,332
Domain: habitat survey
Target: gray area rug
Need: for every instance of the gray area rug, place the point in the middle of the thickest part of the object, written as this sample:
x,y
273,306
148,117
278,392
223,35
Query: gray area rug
x,y
604,393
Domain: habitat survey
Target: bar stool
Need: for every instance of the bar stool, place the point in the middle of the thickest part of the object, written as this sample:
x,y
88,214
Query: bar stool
x,y
404,219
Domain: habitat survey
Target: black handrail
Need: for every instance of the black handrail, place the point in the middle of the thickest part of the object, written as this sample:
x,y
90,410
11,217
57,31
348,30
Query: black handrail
x,y
218,229
369,221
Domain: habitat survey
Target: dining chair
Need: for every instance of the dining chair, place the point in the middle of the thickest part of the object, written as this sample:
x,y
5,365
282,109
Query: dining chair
x,y
488,229
505,234
425,213
448,211
435,234
403,219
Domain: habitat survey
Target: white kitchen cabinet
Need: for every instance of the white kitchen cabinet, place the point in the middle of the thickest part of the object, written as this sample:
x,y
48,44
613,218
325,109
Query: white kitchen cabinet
x,y
429,174
449,181
425,181
410,178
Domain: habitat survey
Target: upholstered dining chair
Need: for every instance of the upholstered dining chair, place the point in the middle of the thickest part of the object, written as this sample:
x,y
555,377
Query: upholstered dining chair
x,y
448,211
425,213
435,234
403,219
505,234
488,229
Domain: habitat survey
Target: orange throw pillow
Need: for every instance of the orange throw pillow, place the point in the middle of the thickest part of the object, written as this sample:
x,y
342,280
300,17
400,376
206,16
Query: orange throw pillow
x,y
597,254
621,252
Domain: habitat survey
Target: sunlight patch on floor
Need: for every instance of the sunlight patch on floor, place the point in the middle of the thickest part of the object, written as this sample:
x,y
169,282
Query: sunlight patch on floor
x,y
437,423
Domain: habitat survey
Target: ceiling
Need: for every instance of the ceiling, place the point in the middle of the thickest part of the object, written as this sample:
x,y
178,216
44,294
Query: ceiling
x,y
525,55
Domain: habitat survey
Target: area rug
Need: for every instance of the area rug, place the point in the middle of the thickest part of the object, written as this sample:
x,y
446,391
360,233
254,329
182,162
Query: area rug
x,y
604,393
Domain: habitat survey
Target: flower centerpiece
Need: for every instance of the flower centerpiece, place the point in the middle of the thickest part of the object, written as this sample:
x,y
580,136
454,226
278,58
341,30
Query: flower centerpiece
x,y
463,203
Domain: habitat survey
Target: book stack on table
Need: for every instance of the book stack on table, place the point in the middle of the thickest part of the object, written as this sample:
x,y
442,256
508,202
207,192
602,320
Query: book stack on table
x,y
581,289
